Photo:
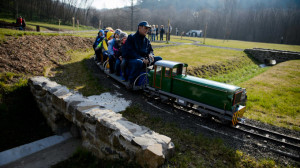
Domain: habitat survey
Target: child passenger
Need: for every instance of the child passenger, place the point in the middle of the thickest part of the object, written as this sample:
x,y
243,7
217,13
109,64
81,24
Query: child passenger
x,y
120,60
99,39
104,47
111,43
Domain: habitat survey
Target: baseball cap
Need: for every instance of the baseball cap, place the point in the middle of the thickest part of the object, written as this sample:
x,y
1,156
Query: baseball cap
x,y
144,23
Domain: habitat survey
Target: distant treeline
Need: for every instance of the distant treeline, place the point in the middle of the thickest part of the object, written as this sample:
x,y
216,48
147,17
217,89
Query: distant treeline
x,y
251,20
272,21
48,10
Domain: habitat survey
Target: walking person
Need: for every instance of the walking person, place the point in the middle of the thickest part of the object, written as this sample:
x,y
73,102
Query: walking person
x,y
19,22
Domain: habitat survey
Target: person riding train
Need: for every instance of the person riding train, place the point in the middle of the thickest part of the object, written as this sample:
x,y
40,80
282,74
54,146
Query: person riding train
x,y
109,36
139,52
99,38
102,47
111,43
120,60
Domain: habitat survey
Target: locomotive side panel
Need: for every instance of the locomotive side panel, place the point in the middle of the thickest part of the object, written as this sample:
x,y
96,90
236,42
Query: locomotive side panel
x,y
203,93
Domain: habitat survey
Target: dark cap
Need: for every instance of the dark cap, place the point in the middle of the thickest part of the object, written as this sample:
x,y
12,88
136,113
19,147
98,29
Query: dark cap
x,y
144,23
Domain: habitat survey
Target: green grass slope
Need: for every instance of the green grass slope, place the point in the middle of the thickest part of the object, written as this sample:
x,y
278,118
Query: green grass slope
x,y
274,96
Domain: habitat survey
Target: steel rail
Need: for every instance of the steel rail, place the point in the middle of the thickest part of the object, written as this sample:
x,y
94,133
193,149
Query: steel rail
x,y
270,135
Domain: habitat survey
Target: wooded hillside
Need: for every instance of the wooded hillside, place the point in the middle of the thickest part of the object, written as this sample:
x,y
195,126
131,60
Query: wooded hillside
x,y
272,21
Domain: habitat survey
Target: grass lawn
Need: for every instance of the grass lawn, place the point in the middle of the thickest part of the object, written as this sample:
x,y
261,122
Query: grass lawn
x,y
178,40
196,56
245,44
274,96
159,44
92,33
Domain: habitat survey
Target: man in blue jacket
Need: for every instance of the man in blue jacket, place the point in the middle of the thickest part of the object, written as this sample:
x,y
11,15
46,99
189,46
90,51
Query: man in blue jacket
x,y
139,52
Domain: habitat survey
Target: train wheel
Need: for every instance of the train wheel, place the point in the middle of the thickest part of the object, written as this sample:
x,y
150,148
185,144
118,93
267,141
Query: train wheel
x,y
106,68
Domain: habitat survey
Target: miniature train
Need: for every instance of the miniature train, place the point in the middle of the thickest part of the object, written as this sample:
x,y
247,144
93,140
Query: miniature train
x,y
169,81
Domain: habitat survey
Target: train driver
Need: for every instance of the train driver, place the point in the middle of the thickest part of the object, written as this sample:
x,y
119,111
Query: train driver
x,y
139,52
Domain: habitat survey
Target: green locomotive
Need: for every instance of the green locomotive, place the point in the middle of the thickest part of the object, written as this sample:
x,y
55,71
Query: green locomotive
x,y
170,81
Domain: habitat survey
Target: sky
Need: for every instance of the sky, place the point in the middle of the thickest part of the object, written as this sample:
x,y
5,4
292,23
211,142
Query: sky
x,y
110,4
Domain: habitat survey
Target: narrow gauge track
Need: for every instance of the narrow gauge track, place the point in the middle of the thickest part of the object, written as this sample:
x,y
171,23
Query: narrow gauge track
x,y
285,143
285,140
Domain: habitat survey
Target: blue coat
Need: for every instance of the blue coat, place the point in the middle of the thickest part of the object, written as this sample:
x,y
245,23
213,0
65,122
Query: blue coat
x,y
136,47
98,39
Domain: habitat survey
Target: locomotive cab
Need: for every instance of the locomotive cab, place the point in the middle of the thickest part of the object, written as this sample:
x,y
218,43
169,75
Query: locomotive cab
x,y
163,73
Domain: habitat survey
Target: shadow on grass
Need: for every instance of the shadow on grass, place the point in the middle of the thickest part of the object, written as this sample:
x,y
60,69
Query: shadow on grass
x,y
78,76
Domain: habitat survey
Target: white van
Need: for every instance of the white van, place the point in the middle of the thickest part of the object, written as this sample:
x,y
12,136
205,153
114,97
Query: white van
x,y
194,33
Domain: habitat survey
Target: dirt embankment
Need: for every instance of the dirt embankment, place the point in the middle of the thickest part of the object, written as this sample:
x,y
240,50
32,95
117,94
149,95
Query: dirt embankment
x,y
30,54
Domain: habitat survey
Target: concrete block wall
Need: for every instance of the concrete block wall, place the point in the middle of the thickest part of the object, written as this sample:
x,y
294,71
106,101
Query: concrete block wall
x,y
262,55
105,133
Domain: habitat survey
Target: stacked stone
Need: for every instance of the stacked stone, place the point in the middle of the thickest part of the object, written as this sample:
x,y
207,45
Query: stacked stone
x,y
105,133
261,55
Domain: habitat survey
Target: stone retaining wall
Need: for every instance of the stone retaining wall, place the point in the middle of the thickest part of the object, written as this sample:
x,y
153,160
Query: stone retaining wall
x,y
105,133
263,55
